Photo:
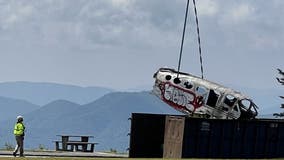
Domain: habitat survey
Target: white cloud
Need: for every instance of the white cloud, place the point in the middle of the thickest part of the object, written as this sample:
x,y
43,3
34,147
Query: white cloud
x,y
237,14
13,13
241,12
97,31
121,3
265,41
207,7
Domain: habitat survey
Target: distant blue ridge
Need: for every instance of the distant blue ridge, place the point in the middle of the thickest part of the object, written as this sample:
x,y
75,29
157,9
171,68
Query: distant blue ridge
x,y
43,93
93,110
105,118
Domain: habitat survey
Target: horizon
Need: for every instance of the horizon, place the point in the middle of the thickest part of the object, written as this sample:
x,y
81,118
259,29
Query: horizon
x,y
267,100
139,87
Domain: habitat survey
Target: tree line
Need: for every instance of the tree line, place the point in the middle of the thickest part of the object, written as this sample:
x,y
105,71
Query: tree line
x,y
281,81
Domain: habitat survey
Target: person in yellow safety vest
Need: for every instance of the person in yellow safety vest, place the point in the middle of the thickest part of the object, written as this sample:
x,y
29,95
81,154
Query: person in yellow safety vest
x,y
19,132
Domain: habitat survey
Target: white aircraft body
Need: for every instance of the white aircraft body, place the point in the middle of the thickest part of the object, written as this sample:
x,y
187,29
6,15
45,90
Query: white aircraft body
x,y
195,96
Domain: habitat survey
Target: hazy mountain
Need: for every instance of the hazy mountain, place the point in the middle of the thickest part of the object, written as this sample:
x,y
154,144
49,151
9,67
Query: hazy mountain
x,y
110,116
10,108
51,112
105,118
43,93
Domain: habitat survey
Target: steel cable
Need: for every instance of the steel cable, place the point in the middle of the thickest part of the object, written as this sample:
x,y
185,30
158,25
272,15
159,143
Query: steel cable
x,y
198,34
182,40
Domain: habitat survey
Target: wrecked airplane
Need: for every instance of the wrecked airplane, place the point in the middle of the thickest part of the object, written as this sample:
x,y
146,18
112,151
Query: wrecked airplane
x,y
195,96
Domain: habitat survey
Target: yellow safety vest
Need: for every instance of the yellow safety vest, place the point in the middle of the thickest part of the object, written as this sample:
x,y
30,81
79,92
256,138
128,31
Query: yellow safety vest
x,y
19,129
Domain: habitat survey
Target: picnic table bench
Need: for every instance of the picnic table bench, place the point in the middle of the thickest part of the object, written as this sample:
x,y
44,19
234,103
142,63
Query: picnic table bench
x,y
75,145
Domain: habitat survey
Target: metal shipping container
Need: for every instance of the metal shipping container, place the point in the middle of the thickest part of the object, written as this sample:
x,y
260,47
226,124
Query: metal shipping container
x,y
152,136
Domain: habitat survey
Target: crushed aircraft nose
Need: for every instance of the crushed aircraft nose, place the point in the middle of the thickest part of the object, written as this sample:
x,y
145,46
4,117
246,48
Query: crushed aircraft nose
x,y
195,96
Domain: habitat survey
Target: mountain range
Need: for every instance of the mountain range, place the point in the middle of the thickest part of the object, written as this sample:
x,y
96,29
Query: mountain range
x,y
43,93
11,107
107,119
49,111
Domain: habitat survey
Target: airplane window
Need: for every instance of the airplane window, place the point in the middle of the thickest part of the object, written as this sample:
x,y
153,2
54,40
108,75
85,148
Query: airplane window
x,y
245,104
201,90
168,77
230,100
236,108
253,108
188,84
177,80
212,98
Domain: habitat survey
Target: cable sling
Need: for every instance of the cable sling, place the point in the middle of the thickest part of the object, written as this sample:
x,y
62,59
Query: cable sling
x,y
182,40
199,43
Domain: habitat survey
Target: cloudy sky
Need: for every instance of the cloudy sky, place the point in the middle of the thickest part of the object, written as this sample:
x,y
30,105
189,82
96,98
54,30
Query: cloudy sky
x,y
121,43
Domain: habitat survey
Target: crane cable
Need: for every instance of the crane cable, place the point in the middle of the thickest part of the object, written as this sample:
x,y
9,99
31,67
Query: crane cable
x,y
182,41
198,34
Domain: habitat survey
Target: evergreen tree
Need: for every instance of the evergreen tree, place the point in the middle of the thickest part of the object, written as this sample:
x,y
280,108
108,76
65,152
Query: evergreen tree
x,y
281,81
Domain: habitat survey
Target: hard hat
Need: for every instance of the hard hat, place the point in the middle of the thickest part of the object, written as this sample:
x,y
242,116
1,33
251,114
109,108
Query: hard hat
x,y
20,118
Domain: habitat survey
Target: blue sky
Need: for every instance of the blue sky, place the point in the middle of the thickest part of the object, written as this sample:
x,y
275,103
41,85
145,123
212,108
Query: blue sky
x,y
120,43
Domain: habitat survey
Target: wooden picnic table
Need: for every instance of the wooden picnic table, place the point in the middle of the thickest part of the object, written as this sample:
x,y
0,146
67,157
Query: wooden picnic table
x,y
83,141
